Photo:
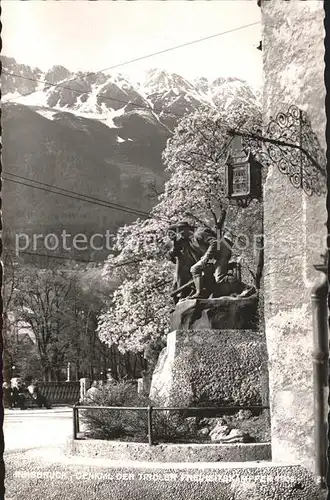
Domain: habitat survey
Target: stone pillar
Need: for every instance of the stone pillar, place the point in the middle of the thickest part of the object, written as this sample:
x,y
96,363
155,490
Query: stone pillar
x,y
68,372
294,225
85,384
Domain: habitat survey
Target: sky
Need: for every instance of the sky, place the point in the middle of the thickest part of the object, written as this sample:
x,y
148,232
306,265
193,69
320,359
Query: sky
x,y
92,36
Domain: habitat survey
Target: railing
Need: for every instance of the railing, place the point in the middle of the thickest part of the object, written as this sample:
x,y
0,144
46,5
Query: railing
x,y
151,409
60,392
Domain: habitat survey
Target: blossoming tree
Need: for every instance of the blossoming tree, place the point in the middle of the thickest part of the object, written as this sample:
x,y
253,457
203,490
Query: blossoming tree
x,y
138,314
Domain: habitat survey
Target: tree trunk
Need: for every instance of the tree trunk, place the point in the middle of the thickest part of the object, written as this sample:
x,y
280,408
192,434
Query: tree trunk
x,y
259,269
47,374
128,365
58,375
134,366
114,361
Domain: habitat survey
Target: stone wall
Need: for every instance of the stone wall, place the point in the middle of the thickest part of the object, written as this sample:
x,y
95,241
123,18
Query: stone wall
x,y
294,224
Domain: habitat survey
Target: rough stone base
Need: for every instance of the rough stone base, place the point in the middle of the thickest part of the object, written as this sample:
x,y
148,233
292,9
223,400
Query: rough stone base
x,y
211,367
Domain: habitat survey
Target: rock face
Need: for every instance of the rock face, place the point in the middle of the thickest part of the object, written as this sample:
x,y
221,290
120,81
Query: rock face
x,y
220,313
211,367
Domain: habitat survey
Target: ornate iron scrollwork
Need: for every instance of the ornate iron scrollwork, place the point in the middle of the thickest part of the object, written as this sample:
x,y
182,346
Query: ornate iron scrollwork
x,y
290,143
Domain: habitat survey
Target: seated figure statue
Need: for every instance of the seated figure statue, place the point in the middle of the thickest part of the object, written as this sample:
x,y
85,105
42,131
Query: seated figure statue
x,y
202,259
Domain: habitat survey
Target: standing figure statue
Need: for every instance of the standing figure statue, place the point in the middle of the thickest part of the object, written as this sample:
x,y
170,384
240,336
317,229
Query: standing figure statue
x,y
201,258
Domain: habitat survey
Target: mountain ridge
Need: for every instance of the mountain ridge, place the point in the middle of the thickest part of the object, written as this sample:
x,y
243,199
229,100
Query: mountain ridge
x,y
99,93
102,135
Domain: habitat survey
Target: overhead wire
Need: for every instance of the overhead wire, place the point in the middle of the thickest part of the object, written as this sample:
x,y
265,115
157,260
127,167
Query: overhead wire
x,y
175,47
87,261
105,205
119,264
100,201
81,197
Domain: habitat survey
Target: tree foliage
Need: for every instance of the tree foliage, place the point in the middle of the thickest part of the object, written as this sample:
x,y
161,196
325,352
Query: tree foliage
x,y
18,349
43,303
50,319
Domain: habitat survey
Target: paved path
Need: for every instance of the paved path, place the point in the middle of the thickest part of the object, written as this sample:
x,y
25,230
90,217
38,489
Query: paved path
x,y
37,469
35,428
44,475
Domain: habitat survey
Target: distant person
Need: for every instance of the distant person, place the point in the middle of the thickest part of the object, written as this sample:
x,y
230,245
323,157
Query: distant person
x,y
36,395
110,378
17,393
7,395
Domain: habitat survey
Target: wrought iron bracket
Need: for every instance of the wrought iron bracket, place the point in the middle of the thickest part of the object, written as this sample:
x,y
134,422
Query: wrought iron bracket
x,y
290,143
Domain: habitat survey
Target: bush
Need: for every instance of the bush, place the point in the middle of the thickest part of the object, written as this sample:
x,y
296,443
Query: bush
x,y
114,424
168,426
173,426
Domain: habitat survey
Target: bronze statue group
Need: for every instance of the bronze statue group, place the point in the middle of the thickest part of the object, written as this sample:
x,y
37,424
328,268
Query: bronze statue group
x,y
204,268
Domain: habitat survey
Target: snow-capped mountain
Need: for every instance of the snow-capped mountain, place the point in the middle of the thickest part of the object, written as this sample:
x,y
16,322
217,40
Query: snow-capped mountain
x,y
94,133
105,97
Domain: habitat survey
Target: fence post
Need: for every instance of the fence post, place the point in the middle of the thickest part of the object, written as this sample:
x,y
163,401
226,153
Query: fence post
x,y
150,425
77,421
74,422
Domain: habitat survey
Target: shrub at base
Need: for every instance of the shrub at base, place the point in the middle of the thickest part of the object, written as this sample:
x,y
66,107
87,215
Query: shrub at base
x,y
132,425
115,424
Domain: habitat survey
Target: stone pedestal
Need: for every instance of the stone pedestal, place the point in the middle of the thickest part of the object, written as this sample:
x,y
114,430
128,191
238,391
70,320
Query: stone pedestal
x,y
211,367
